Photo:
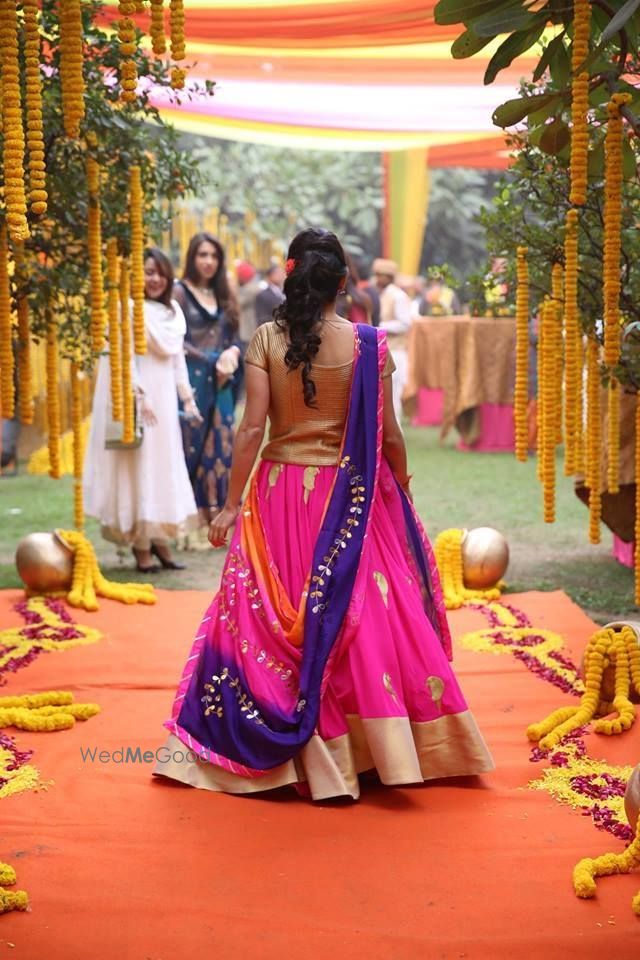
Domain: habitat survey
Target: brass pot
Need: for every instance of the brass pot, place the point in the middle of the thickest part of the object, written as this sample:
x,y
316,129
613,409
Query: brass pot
x,y
44,563
485,557
632,798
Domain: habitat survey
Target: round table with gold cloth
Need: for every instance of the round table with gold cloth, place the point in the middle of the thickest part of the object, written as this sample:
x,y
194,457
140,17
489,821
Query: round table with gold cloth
x,y
471,360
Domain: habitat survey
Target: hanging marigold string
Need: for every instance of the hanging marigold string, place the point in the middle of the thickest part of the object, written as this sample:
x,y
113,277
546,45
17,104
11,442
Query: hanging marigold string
x,y
572,349
35,137
541,349
557,283
547,393
115,346
94,231
53,398
637,517
158,38
613,436
78,449
521,392
127,38
612,228
593,478
178,52
13,131
580,101
125,341
71,62
136,198
25,383
7,363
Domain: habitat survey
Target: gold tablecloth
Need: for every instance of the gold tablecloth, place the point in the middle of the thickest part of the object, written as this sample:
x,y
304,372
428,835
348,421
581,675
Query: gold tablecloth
x,y
471,359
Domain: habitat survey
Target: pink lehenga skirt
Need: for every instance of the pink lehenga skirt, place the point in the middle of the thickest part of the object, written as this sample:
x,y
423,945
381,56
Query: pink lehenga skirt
x,y
390,701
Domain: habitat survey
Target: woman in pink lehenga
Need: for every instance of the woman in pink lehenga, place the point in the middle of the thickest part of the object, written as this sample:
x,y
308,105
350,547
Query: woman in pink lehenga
x,y
326,651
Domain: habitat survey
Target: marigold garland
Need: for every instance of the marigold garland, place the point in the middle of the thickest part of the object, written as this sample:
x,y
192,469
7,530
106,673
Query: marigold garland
x,y
580,102
16,774
48,628
115,347
127,38
612,228
71,64
13,131
593,477
637,517
586,870
53,398
613,436
178,51
136,198
547,402
89,583
7,362
25,384
572,365
94,236
607,646
35,137
78,448
44,712
128,410
521,392
158,38
448,554
39,463
11,899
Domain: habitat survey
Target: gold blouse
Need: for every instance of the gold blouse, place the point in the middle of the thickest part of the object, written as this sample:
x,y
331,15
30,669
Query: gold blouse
x,y
310,436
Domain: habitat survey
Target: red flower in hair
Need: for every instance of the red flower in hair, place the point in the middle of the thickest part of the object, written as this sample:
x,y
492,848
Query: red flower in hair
x,y
290,266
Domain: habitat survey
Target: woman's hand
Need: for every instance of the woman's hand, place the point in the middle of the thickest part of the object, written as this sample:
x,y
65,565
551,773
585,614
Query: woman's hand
x,y
193,414
220,525
147,415
227,364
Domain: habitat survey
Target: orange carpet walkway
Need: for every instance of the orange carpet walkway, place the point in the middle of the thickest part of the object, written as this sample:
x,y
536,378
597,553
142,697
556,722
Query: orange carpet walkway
x,y
118,866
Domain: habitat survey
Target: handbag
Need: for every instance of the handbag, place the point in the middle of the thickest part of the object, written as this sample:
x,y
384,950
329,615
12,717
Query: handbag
x,y
113,434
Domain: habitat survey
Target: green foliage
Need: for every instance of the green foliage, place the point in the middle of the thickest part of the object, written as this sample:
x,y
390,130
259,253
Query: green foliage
x,y
287,190
57,253
612,62
529,209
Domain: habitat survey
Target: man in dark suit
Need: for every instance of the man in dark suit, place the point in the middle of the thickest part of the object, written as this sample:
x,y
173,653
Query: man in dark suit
x,y
270,295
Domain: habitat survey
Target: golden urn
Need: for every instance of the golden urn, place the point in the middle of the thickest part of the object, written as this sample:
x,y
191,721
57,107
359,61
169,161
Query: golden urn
x,y
485,557
632,798
44,563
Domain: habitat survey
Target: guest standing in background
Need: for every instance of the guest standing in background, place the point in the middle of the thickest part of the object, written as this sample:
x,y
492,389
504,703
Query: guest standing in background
x,y
395,318
214,361
271,295
248,289
142,496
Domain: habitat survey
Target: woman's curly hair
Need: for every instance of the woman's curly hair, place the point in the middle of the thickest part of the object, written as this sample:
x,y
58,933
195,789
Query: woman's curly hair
x,y
318,269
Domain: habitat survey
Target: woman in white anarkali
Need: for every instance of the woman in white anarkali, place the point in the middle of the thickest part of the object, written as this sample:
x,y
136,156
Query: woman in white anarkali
x,y
143,496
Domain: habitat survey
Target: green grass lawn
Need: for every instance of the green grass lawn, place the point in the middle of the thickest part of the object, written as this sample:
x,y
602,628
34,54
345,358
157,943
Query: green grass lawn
x,y
451,489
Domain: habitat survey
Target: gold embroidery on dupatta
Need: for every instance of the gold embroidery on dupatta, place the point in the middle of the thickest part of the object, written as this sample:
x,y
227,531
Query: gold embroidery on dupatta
x,y
309,481
383,586
214,699
435,686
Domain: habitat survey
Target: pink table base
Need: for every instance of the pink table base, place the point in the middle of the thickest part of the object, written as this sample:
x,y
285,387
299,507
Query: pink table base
x,y
497,432
428,408
623,552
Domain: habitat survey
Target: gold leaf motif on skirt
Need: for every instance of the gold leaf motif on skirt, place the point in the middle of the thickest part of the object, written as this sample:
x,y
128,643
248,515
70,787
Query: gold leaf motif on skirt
x,y
309,481
274,475
435,686
387,684
383,586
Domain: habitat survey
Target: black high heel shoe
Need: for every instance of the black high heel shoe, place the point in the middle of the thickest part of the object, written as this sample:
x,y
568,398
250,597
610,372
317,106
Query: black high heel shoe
x,y
152,568
167,564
